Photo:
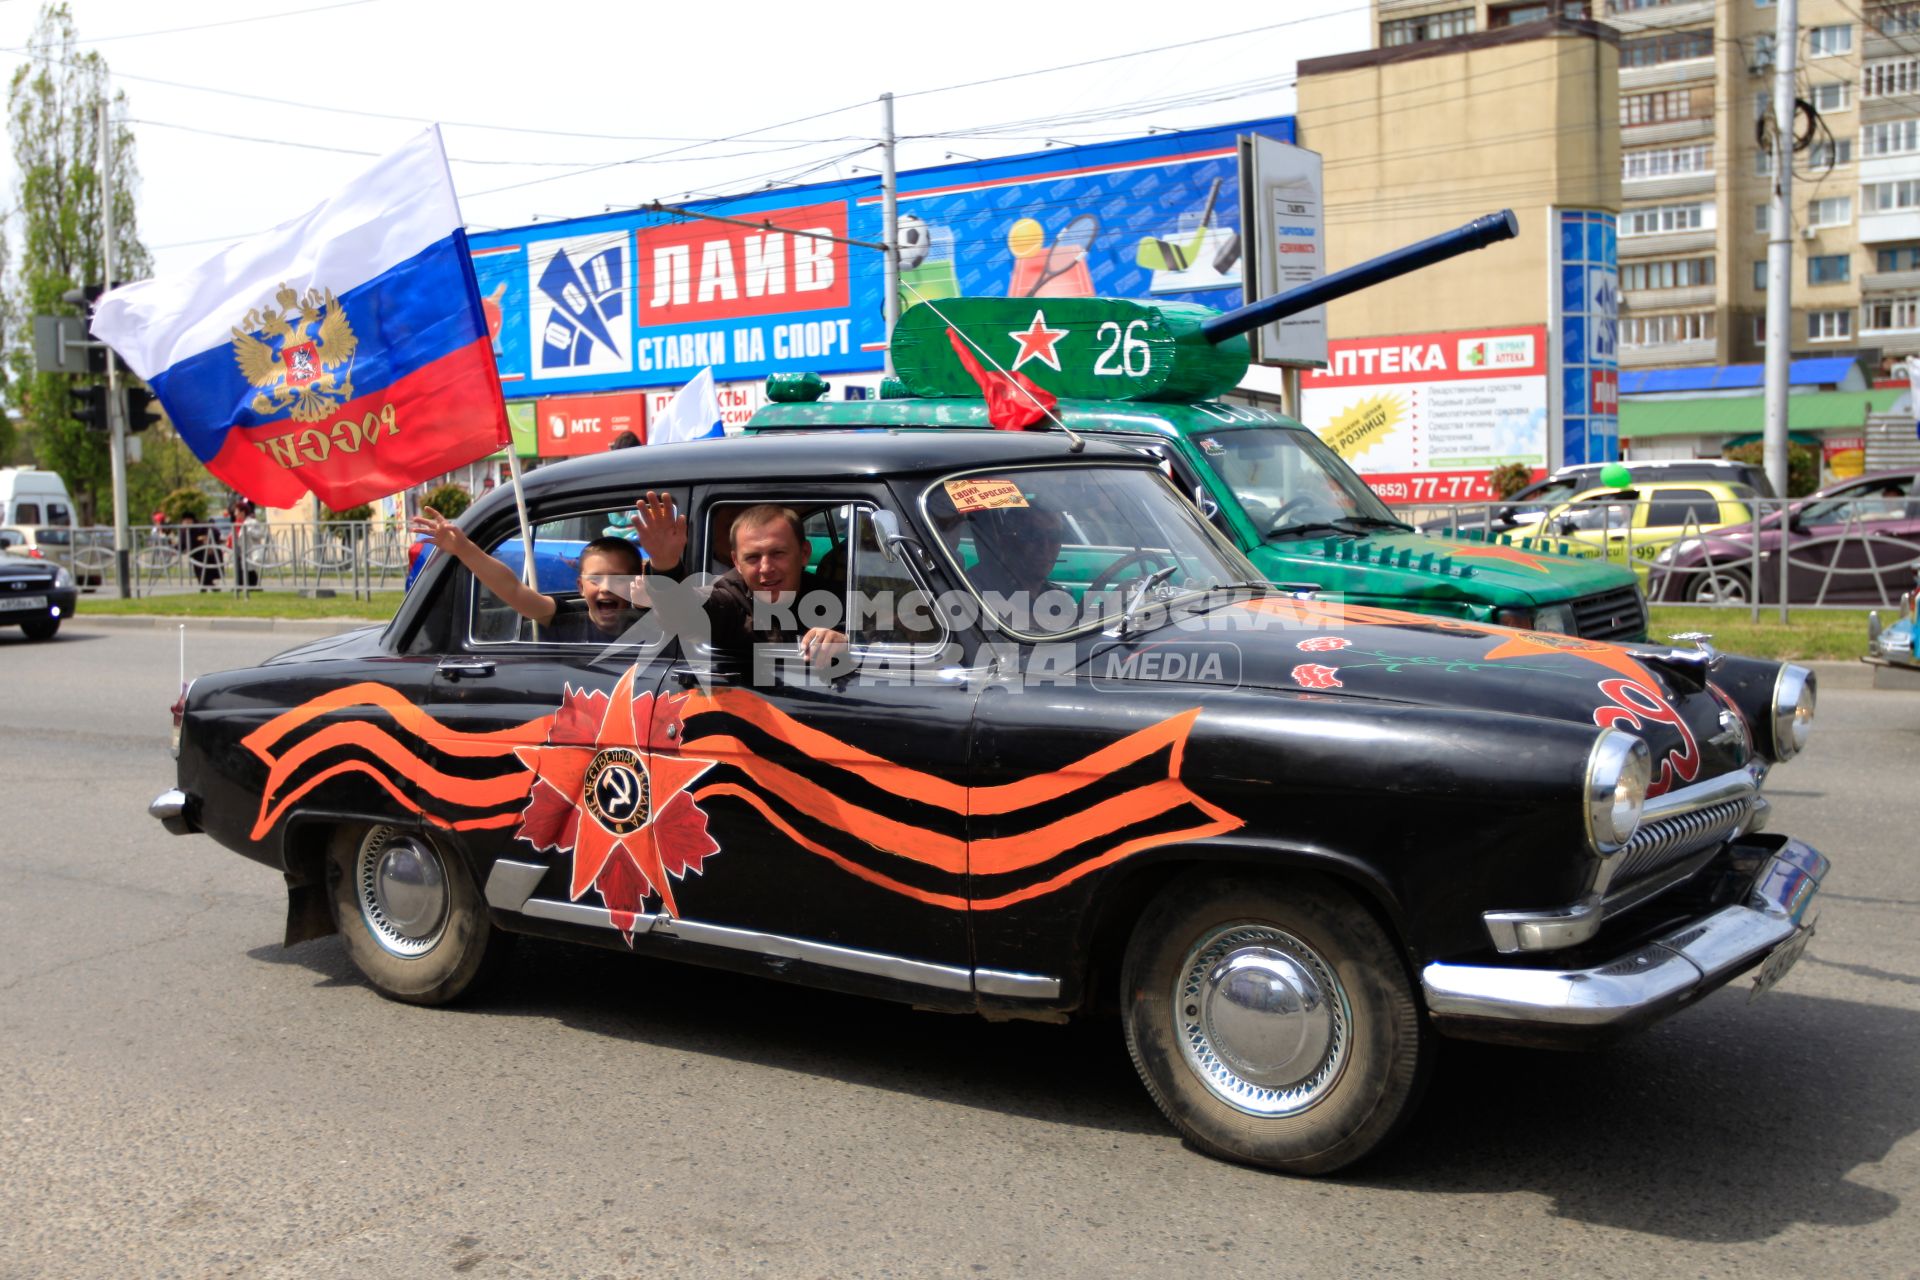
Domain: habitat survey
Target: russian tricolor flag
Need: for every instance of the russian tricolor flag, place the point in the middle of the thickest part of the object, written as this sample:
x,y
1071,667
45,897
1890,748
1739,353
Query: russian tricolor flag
x,y
344,352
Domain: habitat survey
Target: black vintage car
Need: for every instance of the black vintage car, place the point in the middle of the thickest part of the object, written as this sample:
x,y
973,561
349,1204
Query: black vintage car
x,y
1290,843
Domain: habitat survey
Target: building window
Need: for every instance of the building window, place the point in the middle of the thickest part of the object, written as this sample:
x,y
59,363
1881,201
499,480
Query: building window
x,y
1891,138
1513,15
1634,6
1658,107
1831,96
1763,163
1889,77
1833,211
1668,46
1905,257
1760,330
1830,154
1760,275
1894,19
1893,313
1661,218
1669,273
1762,219
1829,268
1428,26
1655,331
1829,326
1885,197
1825,41
1666,162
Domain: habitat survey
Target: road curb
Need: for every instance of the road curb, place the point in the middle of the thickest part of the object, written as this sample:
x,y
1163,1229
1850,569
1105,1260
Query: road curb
x,y
156,622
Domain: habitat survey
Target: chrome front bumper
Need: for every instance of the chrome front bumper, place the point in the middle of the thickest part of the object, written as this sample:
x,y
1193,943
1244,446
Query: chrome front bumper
x,y
1544,1004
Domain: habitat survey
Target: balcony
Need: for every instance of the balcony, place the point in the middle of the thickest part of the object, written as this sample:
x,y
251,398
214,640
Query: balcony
x,y
1669,243
1685,71
1697,351
1683,13
1696,295
1898,224
1646,135
1674,184
1890,282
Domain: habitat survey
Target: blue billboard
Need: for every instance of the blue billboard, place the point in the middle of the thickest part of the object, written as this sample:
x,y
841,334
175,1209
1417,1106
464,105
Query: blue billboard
x,y
639,299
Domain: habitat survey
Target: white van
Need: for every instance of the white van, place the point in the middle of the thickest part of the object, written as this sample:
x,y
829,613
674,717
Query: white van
x,y
30,496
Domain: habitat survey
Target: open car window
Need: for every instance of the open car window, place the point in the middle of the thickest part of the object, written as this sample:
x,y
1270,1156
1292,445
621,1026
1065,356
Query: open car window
x,y
558,544
880,602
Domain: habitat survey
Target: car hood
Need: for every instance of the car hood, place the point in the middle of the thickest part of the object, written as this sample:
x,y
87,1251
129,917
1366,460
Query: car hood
x,y
1437,566
24,569
1319,649
363,642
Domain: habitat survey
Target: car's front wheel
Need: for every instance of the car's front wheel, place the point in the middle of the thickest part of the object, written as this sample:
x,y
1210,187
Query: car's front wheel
x,y
1273,1020
1714,585
412,920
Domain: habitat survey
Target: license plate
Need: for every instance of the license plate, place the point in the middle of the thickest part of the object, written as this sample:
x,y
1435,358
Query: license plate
x,y
11,603
1775,966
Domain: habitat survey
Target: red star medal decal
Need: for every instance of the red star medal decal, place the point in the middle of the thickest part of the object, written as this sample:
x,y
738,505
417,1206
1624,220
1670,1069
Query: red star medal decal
x,y
1037,343
609,790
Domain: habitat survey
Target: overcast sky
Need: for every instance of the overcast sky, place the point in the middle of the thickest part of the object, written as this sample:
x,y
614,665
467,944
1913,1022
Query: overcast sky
x,y
666,87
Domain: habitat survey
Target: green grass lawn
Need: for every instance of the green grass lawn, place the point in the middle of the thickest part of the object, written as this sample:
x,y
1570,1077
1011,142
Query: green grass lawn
x,y
261,604
1825,633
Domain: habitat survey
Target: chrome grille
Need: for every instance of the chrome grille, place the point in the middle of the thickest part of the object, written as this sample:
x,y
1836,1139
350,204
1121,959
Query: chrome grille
x,y
1668,840
1611,615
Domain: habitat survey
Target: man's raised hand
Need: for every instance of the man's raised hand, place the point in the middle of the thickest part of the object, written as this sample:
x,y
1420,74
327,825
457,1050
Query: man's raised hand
x,y
442,532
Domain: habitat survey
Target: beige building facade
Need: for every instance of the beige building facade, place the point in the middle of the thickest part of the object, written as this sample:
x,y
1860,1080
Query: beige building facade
x,y
1694,79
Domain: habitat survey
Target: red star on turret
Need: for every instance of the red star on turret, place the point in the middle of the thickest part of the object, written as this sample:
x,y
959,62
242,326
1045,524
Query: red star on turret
x,y
1037,343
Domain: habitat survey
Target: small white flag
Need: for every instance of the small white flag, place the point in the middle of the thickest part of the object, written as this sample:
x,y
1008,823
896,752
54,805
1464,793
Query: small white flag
x,y
692,414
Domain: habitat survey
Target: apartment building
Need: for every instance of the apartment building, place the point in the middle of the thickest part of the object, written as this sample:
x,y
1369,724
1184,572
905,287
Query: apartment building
x,y
1695,80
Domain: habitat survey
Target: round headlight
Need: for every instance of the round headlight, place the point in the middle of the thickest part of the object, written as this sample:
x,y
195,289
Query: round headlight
x,y
1793,699
1618,770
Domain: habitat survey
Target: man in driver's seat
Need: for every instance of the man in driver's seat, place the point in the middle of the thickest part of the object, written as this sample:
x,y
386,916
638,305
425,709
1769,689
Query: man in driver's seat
x,y
1016,549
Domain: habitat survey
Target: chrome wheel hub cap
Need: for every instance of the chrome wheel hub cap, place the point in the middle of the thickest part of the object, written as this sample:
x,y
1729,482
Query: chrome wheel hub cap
x,y
402,888
1263,1021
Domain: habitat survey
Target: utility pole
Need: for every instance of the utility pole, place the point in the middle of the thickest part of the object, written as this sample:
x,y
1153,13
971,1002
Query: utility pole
x,y
890,222
1780,245
116,407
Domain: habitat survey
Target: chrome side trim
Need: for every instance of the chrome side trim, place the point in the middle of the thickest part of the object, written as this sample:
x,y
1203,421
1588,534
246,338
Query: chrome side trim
x,y
511,883
1024,986
1701,953
1016,986
1544,930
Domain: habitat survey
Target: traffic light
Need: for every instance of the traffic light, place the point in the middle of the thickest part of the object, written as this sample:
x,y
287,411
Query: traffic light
x,y
90,406
143,410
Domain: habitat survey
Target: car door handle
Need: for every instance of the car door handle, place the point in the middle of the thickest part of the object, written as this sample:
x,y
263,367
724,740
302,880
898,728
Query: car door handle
x,y
454,668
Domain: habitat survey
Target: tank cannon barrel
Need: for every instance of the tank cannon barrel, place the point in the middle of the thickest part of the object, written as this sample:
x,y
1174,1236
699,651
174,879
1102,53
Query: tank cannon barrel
x,y
1478,234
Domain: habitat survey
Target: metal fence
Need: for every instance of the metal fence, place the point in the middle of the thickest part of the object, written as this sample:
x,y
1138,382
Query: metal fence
x,y
1855,553
353,558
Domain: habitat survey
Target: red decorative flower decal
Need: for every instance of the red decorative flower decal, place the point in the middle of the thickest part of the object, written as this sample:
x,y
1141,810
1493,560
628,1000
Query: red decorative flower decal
x,y
1311,675
609,789
1321,644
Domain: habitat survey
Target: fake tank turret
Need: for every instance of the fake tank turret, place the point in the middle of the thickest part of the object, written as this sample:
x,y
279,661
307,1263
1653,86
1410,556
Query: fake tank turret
x,y
1150,374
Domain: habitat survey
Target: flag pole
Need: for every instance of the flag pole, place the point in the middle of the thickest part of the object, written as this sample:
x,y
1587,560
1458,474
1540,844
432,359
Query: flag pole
x,y
473,296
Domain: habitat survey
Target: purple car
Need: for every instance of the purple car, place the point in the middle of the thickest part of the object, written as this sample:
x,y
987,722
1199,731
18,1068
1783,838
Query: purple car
x,y
1857,541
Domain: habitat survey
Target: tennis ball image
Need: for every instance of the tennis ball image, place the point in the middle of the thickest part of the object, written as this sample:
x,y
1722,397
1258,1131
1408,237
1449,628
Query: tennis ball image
x,y
1026,238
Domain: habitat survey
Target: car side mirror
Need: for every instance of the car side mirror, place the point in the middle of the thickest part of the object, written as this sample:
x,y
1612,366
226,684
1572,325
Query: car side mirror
x,y
1565,524
886,527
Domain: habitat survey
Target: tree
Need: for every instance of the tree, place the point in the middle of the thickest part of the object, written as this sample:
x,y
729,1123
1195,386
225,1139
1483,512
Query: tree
x,y
53,121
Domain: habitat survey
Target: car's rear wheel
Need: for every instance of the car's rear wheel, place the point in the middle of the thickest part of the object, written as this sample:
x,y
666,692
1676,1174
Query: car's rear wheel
x,y
41,628
412,920
1273,1021
1714,585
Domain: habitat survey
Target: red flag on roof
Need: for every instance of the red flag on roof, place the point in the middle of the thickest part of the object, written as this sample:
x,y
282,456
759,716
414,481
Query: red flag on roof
x,y
1014,401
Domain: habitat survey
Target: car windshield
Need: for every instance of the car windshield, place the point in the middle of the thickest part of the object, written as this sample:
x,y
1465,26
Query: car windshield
x,y
1052,551
1289,482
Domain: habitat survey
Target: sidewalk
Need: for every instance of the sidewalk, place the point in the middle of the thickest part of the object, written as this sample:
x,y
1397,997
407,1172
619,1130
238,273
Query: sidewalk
x,y
288,626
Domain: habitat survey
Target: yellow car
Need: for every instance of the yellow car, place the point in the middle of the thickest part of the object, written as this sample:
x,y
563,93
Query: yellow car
x,y
1636,524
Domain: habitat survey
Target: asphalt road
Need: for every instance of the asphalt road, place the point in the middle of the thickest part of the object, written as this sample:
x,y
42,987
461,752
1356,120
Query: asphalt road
x,y
180,1096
